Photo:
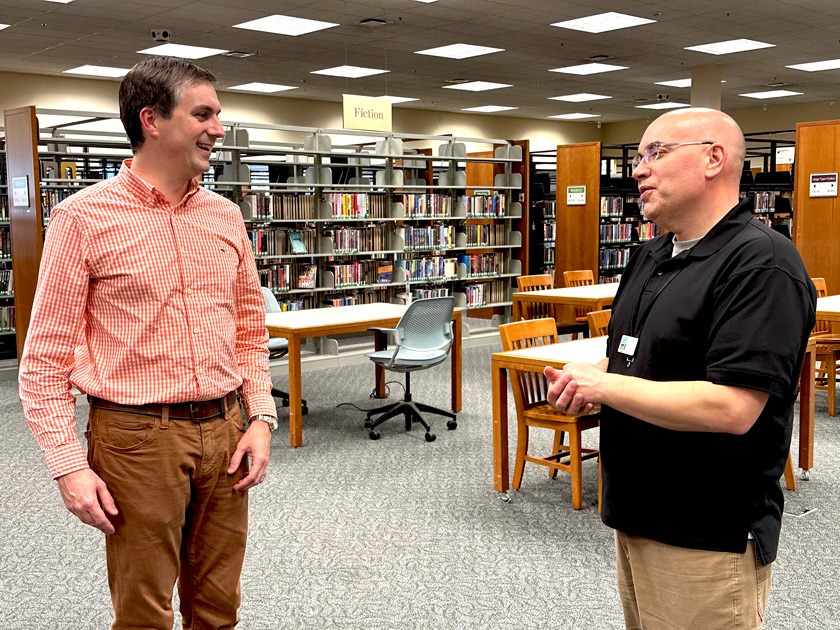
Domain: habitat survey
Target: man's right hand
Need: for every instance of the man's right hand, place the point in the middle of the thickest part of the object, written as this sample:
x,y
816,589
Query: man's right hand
x,y
86,496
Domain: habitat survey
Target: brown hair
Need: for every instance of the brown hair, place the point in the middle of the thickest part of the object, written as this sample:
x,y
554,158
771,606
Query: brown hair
x,y
155,83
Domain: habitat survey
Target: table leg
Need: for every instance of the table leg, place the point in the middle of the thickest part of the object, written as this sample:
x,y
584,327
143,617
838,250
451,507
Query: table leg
x,y
295,397
455,361
501,470
806,411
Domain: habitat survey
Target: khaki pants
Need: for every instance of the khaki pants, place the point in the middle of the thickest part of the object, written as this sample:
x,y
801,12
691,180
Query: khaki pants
x,y
179,517
671,588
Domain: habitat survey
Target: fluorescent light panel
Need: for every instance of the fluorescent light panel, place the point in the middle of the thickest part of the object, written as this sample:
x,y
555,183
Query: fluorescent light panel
x,y
817,66
2,26
426,1
180,50
730,46
98,71
676,83
663,106
61,1
771,94
458,51
575,116
477,86
582,97
603,22
285,25
488,109
268,88
589,68
399,99
349,72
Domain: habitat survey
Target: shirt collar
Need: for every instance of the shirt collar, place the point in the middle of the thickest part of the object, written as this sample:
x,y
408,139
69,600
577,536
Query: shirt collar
x,y
142,188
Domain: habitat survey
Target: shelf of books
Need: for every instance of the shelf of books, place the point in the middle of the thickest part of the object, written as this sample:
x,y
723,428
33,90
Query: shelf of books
x,y
333,218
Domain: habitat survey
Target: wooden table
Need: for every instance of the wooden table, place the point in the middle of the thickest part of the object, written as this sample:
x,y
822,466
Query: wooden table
x,y
592,350
829,308
594,296
296,326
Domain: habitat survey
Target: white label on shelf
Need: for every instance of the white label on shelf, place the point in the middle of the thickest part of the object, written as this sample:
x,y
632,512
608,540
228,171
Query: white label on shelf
x,y
823,185
575,195
20,191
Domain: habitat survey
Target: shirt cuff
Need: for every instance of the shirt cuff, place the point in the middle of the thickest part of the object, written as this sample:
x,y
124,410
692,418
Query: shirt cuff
x,y
66,458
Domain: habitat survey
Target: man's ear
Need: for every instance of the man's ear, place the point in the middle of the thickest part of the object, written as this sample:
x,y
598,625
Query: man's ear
x,y
149,121
717,160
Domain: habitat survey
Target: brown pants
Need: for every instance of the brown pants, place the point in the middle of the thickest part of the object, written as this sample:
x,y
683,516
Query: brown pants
x,y
179,517
668,588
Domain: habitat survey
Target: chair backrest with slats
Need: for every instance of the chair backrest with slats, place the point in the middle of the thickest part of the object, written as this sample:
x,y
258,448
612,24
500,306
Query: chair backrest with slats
x,y
529,388
822,326
538,282
579,278
599,321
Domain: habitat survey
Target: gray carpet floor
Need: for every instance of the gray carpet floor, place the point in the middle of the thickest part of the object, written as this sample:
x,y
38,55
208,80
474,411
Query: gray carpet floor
x,y
398,533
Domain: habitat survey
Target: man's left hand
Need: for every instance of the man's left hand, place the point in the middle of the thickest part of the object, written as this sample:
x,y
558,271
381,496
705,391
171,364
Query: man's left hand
x,y
255,444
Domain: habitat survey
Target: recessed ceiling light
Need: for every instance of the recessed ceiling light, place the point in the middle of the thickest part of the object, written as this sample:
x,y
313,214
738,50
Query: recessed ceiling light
x,y
663,106
488,109
61,1
589,68
458,51
582,97
603,22
771,94
349,72
427,1
180,50
575,116
285,25
268,88
98,71
399,99
677,83
2,26
730,46
817,66
477,86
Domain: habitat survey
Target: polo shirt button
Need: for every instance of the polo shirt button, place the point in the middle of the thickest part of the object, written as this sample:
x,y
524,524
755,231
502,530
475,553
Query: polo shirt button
x,y
195,331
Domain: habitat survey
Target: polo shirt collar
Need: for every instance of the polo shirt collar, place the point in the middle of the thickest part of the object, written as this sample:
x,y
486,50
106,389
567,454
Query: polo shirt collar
x,y
141,188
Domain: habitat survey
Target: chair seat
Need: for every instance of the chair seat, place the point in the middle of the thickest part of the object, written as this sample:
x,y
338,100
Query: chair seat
x,y
277,344
409,358
549,417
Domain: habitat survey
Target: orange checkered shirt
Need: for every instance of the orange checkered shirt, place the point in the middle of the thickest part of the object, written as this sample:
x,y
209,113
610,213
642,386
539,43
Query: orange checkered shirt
x,y
140,301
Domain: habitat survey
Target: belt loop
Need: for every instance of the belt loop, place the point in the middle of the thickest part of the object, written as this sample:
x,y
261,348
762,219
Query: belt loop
x,y
164,417
223,406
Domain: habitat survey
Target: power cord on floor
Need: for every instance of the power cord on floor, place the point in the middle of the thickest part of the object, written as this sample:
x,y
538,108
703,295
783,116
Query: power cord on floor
x,y
372,395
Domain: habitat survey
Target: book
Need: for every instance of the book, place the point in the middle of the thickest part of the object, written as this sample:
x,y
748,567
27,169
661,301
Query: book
x,y
384,273
296,242
307,275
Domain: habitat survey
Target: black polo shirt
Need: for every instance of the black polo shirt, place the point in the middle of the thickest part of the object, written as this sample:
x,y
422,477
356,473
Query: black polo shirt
x,y
736,309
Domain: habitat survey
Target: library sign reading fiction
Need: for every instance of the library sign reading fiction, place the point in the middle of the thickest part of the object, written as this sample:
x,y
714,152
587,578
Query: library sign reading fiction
x,y
369,113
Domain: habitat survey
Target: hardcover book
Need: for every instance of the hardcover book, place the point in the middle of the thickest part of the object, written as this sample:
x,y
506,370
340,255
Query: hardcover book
x,y
307,275
296,243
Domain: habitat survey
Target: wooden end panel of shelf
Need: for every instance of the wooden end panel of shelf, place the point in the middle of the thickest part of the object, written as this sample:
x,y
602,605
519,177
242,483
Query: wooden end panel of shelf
x,y
479,173
817,219
577,226
26,222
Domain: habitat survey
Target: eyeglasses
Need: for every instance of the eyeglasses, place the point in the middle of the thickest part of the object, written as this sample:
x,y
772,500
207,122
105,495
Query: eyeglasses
x,y
654,149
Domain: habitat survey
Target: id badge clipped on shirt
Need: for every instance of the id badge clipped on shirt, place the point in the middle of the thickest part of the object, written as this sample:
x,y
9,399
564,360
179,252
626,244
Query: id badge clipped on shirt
x,y
627,347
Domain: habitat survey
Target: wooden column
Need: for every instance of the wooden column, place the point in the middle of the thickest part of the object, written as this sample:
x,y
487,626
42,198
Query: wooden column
x,y
816,220
26,222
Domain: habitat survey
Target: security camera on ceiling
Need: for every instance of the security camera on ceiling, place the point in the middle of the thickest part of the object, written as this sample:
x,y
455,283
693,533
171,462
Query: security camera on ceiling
x,y
663,97
161,34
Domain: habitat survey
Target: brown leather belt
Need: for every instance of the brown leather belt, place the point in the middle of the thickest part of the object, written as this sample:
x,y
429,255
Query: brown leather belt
x,y
195,411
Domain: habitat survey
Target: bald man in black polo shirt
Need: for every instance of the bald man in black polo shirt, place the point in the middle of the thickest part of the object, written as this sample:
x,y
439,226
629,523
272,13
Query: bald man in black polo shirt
x,y
706,343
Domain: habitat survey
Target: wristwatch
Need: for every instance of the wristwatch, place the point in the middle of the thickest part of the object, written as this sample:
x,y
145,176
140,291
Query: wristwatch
x,y
270,420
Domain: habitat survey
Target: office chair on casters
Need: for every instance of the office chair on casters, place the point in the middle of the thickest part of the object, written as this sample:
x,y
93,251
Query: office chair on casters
x,y
278,347
423,337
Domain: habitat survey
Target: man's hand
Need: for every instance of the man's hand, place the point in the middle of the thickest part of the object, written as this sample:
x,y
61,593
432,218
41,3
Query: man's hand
x,y
86,496
574,391
255,444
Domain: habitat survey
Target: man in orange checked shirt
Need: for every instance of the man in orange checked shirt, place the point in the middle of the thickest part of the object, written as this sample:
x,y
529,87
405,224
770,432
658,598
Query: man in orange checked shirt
x,y
148,301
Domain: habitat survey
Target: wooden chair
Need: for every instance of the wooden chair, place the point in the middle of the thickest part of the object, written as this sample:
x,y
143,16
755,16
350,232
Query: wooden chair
x,y
579,278
598,322
532,410
537,310
828,353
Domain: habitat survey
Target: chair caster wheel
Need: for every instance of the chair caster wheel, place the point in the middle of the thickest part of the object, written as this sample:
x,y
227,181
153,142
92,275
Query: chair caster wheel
x,y
285,402
305,411
373,435
430,437
451,425
805,475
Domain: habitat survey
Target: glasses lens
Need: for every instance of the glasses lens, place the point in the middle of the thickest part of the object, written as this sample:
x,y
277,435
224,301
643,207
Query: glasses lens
x,y
636,161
